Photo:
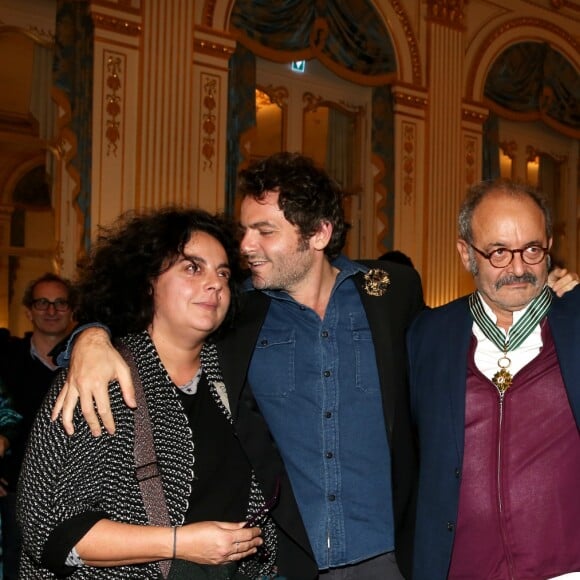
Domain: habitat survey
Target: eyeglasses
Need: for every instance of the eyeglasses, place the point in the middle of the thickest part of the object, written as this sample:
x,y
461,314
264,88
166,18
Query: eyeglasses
x,y
502,257
42,304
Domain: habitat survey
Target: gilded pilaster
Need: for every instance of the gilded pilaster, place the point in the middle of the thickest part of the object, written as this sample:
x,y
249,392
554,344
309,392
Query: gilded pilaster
x,y
446,175
410,107
167,167
210,97
116,96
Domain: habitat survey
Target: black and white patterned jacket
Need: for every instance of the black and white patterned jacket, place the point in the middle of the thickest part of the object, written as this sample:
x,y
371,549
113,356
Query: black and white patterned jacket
x,y
69,483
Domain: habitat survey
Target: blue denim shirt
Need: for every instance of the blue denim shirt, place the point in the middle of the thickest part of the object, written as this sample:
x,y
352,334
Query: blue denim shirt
x,y
317,384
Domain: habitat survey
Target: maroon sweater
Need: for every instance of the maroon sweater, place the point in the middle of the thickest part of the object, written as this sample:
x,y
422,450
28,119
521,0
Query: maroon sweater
x,y
519,502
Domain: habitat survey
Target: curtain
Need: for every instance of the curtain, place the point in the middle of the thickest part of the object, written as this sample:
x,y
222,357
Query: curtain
x,y
353,35
73,79
491,169
533,77
241,115
340,148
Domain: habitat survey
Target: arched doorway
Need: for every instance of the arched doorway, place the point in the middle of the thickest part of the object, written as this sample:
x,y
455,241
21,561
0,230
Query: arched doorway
x,y
330,92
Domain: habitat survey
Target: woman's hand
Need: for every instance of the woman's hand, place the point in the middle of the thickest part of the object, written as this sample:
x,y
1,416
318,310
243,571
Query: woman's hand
x,y
216,542
110,543
94,363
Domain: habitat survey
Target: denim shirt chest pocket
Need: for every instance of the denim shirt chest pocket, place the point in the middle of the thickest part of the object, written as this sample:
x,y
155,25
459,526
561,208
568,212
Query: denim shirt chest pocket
x,y
272,372
365,363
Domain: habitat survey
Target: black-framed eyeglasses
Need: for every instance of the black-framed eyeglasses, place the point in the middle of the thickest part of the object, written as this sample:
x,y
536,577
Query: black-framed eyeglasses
x,y
42,304
502,257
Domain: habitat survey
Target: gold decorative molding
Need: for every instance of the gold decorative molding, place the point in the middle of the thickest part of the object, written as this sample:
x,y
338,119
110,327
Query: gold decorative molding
x,y
537,23
210,86
470,161
212,48
509,148
208,12
472,116
447,12
118,25
409,131
58,147
531,153
207,21
511,25
268,95
40,36
409,100
312,102
411,40
113,101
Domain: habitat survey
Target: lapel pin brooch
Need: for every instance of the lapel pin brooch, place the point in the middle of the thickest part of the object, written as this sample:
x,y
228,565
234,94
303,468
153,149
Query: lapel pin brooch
x,y
376,282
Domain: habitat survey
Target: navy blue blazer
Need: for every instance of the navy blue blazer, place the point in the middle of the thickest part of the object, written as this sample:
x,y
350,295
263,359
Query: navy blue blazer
x,y
438,345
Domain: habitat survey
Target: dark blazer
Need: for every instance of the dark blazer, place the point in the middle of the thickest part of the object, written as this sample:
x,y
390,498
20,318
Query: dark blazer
x,y
439,343
389,317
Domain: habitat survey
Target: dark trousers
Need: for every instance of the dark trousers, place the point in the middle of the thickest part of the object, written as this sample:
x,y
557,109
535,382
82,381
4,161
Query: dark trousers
x,y
11,538
382,567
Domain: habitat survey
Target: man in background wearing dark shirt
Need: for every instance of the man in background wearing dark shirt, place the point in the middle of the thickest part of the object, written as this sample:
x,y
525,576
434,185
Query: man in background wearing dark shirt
x,y
27,370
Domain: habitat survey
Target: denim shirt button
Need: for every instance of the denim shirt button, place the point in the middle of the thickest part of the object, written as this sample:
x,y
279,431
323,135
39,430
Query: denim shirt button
x,y
451,526
327,373
329,455
331,497
328,414
324,334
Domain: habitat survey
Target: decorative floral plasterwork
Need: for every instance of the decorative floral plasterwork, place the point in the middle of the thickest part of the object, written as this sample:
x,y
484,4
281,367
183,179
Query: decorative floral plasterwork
x,y
113,103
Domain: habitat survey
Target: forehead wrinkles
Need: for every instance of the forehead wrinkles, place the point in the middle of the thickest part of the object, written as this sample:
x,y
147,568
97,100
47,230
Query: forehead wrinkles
x,y
504,219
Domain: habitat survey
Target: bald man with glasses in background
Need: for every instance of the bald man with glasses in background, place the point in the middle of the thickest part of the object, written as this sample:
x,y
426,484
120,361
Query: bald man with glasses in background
x,y
27,371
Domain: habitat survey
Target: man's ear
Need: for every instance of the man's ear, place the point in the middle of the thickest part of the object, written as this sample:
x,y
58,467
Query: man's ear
x,y
463,249
321,238
28,313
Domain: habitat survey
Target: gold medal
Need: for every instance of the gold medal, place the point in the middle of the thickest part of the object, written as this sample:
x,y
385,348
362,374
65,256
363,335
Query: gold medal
x,y
502,380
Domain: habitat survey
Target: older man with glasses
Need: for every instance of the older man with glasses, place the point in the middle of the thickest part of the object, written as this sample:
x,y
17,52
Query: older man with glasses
x,y
495,399
27,370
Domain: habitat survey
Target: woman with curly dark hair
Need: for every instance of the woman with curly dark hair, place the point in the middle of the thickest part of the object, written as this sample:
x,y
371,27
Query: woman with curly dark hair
x,y
165,285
